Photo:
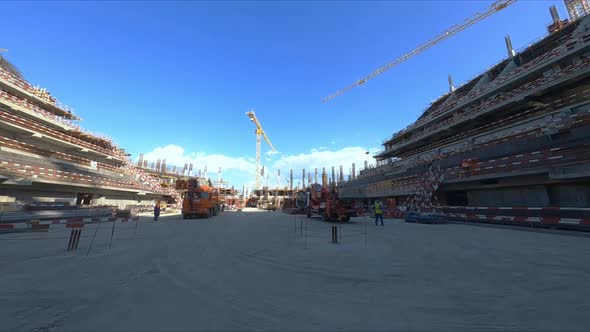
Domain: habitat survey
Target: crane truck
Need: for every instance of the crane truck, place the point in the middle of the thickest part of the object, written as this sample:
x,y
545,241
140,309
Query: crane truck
x,y
323,201
199,198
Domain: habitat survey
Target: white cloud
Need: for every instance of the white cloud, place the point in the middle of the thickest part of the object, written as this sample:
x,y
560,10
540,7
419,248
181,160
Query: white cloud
x,y
323,158
241,170
175,155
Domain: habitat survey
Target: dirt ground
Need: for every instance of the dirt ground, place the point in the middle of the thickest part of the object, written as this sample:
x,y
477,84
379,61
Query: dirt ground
x,y
258,270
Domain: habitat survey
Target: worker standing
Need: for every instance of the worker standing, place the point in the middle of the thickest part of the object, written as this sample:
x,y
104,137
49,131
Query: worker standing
x,y
157,211
378,209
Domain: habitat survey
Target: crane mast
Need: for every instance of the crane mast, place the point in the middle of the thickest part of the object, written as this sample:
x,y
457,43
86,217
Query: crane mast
x,y
259,134
494,8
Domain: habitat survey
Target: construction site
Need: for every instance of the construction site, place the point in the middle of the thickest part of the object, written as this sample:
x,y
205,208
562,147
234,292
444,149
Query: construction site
x,y
489,186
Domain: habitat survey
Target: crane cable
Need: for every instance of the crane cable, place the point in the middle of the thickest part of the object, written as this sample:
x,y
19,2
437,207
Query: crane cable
x,y
495,7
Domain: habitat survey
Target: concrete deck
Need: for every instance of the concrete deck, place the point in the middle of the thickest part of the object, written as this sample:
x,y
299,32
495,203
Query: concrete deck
x,y
270,271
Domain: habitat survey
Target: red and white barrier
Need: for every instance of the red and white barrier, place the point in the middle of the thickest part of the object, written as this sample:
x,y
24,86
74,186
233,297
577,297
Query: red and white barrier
x,y
529,215
69,223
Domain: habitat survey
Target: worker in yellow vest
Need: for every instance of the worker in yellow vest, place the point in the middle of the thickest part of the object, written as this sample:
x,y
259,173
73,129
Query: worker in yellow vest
x,y
378,209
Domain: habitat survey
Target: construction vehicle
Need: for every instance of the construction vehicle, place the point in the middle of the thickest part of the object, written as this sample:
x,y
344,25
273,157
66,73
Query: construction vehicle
x,y
268,206
199,198
296,204
323,201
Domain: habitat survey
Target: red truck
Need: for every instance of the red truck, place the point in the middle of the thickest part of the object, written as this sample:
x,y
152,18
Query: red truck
x,y
324,202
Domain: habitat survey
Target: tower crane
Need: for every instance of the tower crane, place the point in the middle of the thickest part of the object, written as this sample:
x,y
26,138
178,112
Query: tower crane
x,y
494,8
259,132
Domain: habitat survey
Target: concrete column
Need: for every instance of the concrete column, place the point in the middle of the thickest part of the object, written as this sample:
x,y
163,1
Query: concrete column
x,y
303,179
333,175
509,48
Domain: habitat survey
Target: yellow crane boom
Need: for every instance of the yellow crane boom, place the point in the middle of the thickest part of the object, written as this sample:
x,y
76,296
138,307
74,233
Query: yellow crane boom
x,y
495,7
259,132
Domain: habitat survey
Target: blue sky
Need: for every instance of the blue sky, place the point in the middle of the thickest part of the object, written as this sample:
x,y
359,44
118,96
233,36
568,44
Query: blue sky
x,y
175,79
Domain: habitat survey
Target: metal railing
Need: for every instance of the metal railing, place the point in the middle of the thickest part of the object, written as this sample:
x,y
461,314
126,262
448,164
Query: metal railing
x,y
54,214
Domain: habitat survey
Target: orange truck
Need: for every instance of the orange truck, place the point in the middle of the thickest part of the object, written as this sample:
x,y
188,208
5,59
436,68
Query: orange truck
x,y
199,198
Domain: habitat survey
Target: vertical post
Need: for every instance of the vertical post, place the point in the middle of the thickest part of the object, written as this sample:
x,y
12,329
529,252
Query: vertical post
x,y
451,84
77,238
509,48
112,233
303,179
333,176
554,14
136,225
332,233
366,242
93,237
243,197
70,243
219,179
301,227
306,220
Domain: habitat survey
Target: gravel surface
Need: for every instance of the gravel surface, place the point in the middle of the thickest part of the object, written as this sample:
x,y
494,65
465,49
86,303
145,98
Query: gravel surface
x,y
257,270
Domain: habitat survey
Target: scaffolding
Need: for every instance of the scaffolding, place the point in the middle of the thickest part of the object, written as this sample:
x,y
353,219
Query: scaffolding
x,y
424,198
9,67
577,8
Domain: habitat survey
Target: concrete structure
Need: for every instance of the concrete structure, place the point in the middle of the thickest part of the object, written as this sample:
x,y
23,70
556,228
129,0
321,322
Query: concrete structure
x,y
516,135
46,157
